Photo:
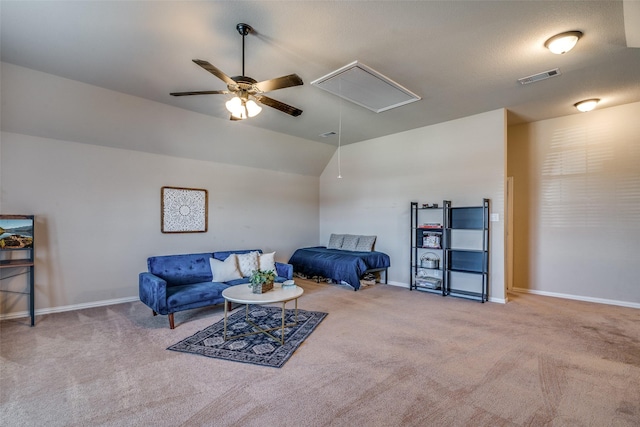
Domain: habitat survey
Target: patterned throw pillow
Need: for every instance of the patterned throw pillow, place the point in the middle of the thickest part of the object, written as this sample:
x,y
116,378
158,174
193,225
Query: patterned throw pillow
x,y
267,261
365,243
335,241
350,242
247,263
223,271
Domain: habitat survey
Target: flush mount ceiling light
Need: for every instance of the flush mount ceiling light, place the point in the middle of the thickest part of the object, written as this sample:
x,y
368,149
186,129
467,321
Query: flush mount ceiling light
x,y
586,105
563,43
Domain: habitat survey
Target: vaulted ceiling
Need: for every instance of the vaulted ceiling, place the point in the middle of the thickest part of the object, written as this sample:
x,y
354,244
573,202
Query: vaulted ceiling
x,y
461,57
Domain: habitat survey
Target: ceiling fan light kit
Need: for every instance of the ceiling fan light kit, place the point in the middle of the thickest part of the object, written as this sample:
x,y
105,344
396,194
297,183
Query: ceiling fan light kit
x,y
563,42
242,108
247,91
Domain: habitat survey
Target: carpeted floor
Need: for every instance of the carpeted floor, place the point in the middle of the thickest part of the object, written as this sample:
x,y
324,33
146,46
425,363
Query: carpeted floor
x,y
384,356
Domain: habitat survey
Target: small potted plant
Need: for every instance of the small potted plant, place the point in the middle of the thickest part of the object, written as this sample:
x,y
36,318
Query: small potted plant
x,y
261,281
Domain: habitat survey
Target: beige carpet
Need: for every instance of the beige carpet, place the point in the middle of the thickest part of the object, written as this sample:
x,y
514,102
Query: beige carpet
x,y
384,356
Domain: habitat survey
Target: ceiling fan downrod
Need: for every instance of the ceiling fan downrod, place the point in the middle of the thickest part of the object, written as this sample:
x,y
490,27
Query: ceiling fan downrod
x,y
243,29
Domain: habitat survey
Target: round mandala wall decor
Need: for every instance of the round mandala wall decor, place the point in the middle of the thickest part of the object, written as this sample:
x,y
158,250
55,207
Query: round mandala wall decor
x,y
184,210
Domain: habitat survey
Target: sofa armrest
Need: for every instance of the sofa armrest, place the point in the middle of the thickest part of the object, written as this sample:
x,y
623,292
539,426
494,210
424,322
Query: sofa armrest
x,y
284,270
153,292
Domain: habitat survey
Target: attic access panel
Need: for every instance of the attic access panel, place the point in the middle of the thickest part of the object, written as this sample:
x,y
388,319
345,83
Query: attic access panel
x,y
365,87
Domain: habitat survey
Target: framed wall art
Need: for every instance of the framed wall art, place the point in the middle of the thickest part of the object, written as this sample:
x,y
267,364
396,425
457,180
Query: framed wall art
x,y
184,210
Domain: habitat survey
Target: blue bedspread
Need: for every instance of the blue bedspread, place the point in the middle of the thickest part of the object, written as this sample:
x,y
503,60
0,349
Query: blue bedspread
x,y
337,264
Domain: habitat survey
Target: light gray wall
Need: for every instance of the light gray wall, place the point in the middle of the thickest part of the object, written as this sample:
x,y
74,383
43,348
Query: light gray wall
x,y
461,160
98,207
577,205
98,213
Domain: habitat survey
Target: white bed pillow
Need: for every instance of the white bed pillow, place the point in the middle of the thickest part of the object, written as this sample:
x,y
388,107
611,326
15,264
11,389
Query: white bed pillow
x,y
223,271
267,261
247,263
350,242
365,243
335,241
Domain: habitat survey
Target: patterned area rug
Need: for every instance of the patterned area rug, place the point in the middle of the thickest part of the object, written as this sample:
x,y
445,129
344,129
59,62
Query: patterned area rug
x,y
257,349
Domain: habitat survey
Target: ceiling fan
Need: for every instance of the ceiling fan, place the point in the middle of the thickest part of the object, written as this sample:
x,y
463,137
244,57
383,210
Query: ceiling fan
x,y
246,90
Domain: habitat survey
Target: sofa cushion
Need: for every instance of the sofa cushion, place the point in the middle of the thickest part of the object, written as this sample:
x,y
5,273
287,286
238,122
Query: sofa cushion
x,y
181,269
235,282
222,255
194,295
224,271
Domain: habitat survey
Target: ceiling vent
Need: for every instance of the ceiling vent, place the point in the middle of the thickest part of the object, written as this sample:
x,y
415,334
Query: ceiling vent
x,y
366,87
540,76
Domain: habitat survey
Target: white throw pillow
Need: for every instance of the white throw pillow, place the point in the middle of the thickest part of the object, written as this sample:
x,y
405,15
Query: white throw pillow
x,y
223,271
247,263
267,261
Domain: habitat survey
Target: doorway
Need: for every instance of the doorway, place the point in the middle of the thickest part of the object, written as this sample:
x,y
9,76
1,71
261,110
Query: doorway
x,y
509,234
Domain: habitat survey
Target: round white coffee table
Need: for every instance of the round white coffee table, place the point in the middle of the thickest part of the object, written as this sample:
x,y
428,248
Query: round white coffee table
x,y
241,294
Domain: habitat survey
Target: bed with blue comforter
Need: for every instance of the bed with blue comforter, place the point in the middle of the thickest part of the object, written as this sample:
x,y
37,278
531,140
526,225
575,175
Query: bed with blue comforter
x,y
339,265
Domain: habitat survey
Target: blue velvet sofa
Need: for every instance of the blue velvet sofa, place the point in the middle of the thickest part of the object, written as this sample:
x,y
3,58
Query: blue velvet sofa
x,y
182,282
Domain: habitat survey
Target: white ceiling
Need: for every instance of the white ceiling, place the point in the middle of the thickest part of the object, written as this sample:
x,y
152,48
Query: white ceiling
x,y
461,57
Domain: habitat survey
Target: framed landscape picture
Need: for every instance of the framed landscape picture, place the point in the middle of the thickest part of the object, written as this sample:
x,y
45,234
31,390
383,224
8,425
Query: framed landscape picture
x,y
16,232
184,210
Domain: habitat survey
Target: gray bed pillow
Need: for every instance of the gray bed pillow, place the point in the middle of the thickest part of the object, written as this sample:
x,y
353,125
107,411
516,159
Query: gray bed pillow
x,y
335,241
365,243
350,242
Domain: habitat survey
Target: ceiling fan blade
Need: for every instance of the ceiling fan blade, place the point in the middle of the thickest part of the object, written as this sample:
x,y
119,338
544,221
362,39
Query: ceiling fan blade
x,y
201,92
233,118
279,83
270,102
213,70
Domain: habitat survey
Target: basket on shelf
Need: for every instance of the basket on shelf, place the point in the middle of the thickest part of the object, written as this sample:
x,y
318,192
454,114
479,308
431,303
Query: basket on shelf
x,y
429,260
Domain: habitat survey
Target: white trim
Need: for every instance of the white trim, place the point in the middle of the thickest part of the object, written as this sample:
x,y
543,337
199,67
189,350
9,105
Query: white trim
x,y
578,297
399,284
64,308
491,299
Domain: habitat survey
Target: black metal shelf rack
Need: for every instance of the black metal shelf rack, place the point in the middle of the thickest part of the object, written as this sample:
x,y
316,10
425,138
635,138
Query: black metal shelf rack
x,y
24,265
464,261
428,239
454,260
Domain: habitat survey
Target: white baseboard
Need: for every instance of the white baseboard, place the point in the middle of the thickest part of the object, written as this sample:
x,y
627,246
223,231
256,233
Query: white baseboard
x,y
491,299
578,297
20,314
399,284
